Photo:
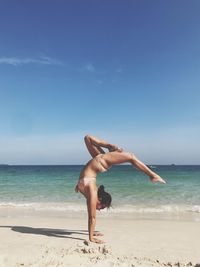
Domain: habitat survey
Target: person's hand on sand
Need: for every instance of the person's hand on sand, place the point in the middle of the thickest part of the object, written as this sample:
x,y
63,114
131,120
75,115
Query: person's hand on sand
x,y
97,234
156,178
98,241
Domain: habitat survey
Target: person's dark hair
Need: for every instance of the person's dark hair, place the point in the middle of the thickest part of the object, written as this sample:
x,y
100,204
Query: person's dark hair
x,y
104,197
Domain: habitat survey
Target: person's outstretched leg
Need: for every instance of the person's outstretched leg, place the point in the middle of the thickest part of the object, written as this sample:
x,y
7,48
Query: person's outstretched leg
x,y
142,167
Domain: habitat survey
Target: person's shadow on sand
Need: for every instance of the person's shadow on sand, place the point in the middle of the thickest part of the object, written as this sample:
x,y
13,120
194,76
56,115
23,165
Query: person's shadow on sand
x,y
47,231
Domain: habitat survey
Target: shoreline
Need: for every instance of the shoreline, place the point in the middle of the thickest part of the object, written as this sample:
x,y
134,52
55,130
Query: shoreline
x,y
80,211
46,240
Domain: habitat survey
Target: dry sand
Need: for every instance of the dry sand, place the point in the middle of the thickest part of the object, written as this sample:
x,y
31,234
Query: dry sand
x,y
45,240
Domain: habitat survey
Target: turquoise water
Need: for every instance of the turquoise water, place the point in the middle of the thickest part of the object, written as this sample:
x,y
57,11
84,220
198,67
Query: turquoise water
x,y
131,190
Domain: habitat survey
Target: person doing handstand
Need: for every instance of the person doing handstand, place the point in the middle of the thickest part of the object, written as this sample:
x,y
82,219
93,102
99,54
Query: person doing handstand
x,y
101,161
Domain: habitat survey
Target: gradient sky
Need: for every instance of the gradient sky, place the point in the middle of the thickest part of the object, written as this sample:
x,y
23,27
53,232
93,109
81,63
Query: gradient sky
x,y
126,71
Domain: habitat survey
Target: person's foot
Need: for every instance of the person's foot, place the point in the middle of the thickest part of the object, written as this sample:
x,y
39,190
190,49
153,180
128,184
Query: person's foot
x,y
113,148
156,178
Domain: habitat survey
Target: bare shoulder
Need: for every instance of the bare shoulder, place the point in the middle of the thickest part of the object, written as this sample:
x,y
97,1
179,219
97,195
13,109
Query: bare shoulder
x,y
91,189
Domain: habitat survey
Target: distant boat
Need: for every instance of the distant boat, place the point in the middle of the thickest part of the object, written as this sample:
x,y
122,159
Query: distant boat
x,y
173,164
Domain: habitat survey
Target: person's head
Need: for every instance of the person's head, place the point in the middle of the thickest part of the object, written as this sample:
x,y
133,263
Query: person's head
x,y
104,198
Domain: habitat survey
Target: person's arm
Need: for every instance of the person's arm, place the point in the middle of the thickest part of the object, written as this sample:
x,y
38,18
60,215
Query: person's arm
x,y
91,206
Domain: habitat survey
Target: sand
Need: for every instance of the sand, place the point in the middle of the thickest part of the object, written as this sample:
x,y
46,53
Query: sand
x,y
40,239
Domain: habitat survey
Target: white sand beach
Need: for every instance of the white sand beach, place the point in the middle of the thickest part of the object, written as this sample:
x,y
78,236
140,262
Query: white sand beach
x,y
41,239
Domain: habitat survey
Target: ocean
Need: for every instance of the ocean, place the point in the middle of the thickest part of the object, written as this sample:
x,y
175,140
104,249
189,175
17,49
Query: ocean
x,y
52,188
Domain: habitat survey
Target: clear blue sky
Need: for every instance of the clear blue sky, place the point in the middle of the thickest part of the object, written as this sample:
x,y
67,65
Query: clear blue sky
x,y
127,71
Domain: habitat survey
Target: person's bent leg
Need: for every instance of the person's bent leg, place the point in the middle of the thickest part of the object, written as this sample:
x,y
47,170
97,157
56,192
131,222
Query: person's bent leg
x,y
99,143
92,148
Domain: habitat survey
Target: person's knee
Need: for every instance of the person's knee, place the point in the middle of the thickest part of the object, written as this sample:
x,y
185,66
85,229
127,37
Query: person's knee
x,y
87,138
133,158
